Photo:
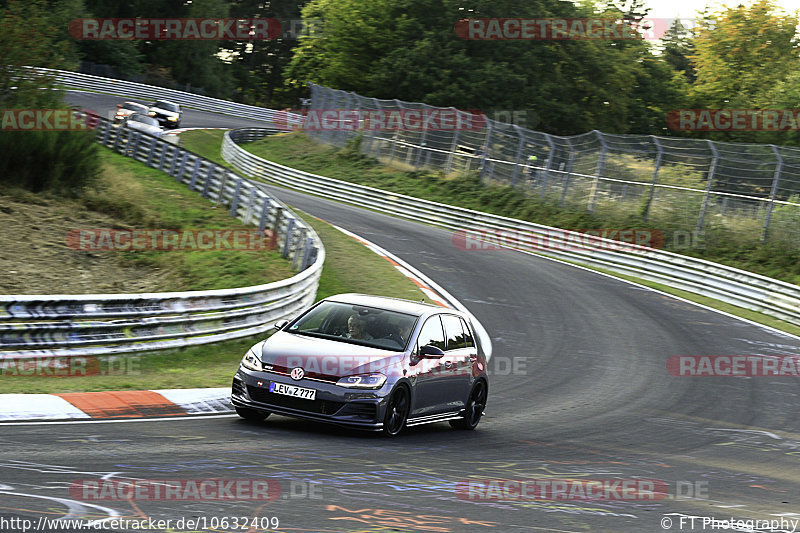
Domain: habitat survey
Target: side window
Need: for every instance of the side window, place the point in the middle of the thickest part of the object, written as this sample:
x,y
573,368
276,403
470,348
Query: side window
x,y
454,332
469,342
432,333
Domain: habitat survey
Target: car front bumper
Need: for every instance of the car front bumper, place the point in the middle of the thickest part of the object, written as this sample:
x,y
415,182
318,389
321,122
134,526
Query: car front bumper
x,y
332,404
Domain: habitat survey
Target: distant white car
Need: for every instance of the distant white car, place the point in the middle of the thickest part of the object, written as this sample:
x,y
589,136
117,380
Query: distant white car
x,y
143,123
127,109
167,114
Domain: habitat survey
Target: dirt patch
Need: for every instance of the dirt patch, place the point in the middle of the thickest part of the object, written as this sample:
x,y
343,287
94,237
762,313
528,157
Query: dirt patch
x,y
35,258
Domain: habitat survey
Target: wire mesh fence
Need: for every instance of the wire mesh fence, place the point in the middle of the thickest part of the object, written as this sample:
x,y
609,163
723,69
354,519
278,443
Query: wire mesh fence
x,y
751,190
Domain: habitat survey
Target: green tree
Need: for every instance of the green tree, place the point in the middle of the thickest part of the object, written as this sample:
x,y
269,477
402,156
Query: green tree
x,y
742,53
678,47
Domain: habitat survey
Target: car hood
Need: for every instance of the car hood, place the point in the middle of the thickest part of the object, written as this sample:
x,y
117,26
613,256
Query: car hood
x,y
164,112
326,358
147,128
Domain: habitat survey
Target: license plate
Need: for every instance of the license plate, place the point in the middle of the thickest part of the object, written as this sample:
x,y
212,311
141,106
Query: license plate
x,y
291,390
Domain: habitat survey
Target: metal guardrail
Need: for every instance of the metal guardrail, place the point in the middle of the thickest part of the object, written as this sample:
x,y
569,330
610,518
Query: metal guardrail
x,y
129,89
744,289
67,325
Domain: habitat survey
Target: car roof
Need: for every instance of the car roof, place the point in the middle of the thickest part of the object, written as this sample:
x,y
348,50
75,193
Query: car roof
x,y
136,103
165,102
392,304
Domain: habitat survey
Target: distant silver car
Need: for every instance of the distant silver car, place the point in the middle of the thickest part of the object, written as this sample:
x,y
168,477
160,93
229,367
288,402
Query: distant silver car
x,y
144,124
127,109
168,114
367,362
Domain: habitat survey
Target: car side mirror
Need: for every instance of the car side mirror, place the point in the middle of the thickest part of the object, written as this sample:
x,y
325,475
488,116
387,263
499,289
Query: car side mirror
x,y
280,324
430,352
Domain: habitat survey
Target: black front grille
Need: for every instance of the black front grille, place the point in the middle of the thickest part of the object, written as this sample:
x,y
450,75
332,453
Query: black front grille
x,y
322,407
367,411
237,388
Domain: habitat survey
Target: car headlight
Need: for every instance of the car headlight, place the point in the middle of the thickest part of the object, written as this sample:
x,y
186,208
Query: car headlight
x,y
251,361
363,381
172,118
151,113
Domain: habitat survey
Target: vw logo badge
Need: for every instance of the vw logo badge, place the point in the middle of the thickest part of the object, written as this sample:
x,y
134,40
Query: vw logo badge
x,y
297,373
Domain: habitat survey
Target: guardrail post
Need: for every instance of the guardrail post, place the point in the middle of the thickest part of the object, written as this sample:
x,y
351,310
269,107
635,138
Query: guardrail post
x,y
163,157
235,199
307,253
276,224
174,161
137,137
288,241
423,139
600,163
568,174
151,144
711,170
776,179
106,134
116,137
250,202
299,250
195,170
520,146
265,207
659,157
223,181
210,171
182,167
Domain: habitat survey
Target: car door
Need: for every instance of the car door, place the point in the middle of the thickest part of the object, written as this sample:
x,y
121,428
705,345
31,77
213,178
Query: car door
x,y
457,360
429,374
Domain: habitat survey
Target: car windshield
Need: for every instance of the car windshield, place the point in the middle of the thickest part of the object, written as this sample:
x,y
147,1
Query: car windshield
x,y
166,106
144,120
133,107
357,324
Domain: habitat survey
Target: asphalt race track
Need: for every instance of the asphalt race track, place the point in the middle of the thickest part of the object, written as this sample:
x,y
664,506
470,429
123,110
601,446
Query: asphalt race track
x,y
580,391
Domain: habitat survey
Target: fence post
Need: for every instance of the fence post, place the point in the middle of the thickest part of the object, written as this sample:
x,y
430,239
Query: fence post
x,y
659,157
485,154
776,179
307,253
600,163
369,124
548,166
570,162
422,140
454,146
520,146
711,170
136,139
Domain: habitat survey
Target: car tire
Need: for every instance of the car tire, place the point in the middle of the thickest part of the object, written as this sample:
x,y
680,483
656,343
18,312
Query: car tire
x,y
474,409
397,409
252,414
